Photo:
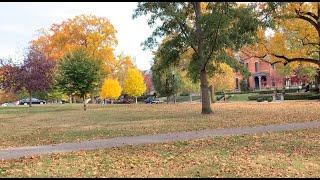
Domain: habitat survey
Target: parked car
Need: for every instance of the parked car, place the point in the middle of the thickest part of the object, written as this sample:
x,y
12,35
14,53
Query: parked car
x,y
7,104
33,101
152,100
123,101
4,104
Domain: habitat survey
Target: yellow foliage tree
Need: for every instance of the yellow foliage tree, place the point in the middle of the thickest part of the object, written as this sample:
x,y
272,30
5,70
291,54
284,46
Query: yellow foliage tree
x,y
223,79
110,89
134,83
123,63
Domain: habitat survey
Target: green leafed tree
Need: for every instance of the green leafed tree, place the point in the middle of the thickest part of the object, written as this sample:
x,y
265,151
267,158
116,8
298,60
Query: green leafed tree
x,y
78,74
207,28
166,81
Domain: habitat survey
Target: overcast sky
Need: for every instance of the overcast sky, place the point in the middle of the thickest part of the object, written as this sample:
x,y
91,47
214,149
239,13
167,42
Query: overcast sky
x,y
21,20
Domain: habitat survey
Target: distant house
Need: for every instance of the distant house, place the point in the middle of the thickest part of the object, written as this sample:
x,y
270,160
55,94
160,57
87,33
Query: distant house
x,y
263,75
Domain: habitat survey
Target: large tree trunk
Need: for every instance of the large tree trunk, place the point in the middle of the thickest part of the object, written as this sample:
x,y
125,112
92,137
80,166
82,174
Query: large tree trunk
x,y
205,99
136,100
30,99
84,103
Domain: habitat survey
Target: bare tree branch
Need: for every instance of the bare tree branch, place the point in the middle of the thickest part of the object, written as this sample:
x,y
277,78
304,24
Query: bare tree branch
x,y
299,59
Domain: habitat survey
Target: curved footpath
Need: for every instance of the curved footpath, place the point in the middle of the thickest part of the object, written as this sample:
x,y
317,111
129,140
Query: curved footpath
x,y
12,153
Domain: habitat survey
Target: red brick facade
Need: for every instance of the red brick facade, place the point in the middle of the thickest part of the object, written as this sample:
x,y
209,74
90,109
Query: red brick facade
x,y
263,75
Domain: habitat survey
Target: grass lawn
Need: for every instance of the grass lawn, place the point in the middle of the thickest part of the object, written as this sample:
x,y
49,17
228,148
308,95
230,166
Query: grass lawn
x,y
47,124
240,97
286,154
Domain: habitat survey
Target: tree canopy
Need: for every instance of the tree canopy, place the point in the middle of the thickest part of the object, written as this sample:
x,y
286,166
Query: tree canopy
x,y
78,73
134,83
95,35
208,28
110,89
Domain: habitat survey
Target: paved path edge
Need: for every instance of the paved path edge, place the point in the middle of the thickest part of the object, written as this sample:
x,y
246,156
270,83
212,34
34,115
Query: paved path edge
x,y
17,152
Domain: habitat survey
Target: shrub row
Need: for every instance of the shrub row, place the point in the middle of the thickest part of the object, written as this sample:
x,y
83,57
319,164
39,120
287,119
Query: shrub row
x,y
300,96
292,96
278,91
294,90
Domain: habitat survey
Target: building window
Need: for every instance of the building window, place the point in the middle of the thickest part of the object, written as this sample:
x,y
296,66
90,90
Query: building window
x,y
256,64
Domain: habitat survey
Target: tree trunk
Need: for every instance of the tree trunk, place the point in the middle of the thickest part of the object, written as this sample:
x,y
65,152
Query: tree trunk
x,y
174,98
84,103
318,80
93,101
212,96
190,95
30,99
136,100
167,99
205,99
70,99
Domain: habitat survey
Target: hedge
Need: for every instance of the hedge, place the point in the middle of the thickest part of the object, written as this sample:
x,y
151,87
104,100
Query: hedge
x,y
265,98
301,96
278,91
293,90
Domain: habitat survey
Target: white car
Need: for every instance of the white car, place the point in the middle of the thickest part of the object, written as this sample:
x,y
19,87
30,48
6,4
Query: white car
x,y
7,104
4,104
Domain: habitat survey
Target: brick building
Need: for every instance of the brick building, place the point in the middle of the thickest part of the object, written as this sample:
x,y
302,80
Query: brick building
x,y
264,75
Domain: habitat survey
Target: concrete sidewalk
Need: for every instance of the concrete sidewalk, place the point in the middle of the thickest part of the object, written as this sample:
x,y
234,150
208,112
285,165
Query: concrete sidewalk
x,y
12,153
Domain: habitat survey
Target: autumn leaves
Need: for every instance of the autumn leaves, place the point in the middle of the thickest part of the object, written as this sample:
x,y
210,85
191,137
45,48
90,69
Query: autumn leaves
x,y
133,85
82,39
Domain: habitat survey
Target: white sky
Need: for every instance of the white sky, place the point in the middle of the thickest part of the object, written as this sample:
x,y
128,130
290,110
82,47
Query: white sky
x,y
21,20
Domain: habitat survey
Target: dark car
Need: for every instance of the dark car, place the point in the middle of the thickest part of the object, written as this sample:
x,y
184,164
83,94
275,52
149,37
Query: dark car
x,y
152,100
149,100
33,101
122,101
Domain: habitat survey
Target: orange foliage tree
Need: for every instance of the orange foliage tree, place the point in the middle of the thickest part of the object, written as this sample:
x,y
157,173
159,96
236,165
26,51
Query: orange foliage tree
x,y
96,35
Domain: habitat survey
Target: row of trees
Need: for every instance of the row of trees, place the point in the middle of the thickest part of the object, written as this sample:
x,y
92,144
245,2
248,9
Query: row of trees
x,y
75,74
198,37
73,59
